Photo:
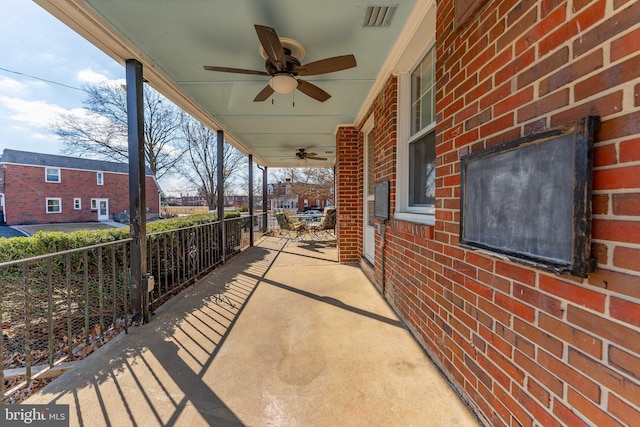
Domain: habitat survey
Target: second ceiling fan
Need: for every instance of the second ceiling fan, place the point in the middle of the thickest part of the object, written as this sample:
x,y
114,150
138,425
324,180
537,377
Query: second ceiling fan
x,y
284,67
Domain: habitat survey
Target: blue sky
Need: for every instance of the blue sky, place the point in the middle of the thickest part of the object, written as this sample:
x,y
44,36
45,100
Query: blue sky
x,y
35,43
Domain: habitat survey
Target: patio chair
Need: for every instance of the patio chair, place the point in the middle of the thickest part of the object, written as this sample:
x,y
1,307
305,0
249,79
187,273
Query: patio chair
x,y
289,228
320,229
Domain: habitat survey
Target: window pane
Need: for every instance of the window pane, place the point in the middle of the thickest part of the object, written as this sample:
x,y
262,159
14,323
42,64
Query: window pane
x,y
426,114
426,70
422,171
423,93
53,175
53,205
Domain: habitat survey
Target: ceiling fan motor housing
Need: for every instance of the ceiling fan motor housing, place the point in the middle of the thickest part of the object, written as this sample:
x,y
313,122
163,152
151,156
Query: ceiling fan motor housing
x,y
291,64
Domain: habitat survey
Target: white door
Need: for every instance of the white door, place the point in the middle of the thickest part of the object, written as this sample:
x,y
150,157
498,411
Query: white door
x,y
369,196
103,209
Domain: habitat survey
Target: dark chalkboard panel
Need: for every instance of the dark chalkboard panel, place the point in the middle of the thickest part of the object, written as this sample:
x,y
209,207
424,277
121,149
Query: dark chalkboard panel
x,y
530,199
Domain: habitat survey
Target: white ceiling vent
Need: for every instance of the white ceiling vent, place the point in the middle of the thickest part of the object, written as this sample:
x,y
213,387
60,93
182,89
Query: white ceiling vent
x,y
378,16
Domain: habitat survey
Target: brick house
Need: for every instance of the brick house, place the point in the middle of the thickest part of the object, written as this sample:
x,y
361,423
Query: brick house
x,y
40,188
521,345
286,195
193,201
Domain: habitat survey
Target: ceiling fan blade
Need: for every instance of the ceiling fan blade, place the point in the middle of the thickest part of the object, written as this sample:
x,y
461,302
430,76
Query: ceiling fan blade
x,y
235,70
328,65
264,94
316,158
272,46
313,91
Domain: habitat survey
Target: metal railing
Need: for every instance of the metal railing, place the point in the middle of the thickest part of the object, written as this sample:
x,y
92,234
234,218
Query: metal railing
x,y
178,257
53,306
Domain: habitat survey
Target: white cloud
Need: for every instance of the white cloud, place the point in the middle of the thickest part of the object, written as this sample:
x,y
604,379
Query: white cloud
x,y
91,77
34,113
12,87
175,186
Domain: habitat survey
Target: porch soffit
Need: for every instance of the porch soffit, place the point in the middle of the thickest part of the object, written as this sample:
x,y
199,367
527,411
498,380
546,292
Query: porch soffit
x,y
173,40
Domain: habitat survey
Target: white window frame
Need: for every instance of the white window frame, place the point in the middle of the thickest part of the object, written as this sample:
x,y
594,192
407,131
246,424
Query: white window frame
x,y
424,215
46,175
46,206
100,178
94,204
77,203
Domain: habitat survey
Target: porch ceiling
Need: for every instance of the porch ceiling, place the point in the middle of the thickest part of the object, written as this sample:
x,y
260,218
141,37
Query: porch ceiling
x,y
174,39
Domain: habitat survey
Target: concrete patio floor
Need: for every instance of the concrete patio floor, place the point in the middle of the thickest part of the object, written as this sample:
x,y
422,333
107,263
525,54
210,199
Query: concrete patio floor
x,y
282,335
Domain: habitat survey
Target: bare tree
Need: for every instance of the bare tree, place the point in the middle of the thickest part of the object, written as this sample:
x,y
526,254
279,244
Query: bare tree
x,y
242,184
321,183
316,183
200,162
101,132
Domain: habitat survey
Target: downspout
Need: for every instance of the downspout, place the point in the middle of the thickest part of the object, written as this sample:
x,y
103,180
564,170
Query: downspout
x,y
383,244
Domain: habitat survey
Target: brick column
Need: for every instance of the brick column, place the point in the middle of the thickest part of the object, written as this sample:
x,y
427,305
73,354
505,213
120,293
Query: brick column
x,y
349,195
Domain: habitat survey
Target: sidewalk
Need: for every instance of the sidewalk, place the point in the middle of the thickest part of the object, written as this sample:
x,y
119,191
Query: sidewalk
x,y
282,335
7,231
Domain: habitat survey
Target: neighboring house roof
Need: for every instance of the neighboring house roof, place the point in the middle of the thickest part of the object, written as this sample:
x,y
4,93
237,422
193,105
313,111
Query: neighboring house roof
x,y
53,160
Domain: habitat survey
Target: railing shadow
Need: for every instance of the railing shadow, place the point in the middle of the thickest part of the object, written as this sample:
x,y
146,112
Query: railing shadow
x,y
158,373
59,306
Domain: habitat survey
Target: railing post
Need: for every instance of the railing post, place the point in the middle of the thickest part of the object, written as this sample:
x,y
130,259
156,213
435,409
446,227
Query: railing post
x,y
27,321
50,309
250,199
137,191
220,190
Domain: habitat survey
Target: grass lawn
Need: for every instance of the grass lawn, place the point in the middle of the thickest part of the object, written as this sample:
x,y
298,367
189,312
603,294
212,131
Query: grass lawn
x,y
67,228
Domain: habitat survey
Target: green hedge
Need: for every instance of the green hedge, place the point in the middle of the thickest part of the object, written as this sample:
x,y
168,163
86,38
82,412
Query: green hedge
x,y
42,243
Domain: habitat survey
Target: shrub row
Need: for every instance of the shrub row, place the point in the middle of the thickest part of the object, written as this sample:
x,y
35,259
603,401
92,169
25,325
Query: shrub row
x,y
42,243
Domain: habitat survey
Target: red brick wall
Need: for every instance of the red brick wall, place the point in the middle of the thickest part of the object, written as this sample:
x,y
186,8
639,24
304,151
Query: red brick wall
x,y
349,194
525,347
26,192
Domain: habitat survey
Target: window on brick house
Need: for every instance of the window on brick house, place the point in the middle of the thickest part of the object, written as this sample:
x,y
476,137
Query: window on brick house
x,y
52,175
54,205
77,203
416,141
100,178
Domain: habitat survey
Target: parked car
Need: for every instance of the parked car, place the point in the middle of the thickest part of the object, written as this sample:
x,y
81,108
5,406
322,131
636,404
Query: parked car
x,y
311,213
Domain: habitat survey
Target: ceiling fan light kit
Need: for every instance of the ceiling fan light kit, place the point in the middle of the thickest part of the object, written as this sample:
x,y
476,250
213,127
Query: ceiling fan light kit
x,y
282,63
283,83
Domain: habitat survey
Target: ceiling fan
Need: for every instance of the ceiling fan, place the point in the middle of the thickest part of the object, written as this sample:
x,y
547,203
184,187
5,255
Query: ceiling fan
x,y
302,154
282,64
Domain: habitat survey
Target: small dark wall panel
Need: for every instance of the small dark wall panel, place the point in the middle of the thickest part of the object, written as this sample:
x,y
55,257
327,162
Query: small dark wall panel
x,y
381,207
530,199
